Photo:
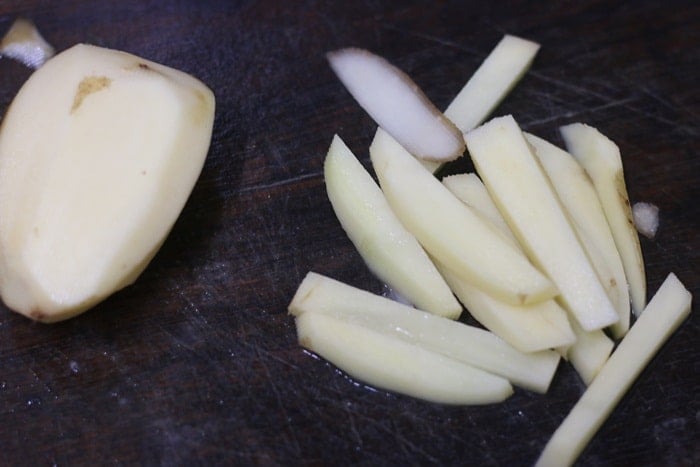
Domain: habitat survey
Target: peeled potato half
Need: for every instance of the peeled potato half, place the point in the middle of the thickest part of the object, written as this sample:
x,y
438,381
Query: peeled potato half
x,y
99,152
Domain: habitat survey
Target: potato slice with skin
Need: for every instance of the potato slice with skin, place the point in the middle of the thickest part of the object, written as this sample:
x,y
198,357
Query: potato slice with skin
x,y
390,363
450,231
601,159
396,103
491,82
578,196
389,250
468,344
98,154
666,311
527,201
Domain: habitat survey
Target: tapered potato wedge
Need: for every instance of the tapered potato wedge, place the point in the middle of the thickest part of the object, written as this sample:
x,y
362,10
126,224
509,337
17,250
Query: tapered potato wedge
x,y
601,159
451,232
468,344
390,363
389,250
529,205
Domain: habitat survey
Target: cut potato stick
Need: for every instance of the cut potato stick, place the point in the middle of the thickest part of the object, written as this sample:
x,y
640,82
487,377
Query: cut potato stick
x,y
579,198
589,353
390,251
524,196
665,312
451,232
468,344
528,328
390,363
491,82
469,189
396,103
601,159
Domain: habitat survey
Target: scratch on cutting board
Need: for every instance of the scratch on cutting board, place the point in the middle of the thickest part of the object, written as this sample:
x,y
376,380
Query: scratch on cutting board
x,y
278,183
567,85
431,38
574,113
280,403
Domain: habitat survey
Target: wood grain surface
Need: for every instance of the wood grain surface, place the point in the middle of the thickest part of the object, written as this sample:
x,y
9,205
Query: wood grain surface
x,y
197,362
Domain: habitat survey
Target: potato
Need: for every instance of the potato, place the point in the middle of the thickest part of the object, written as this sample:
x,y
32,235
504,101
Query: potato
x,y
99,151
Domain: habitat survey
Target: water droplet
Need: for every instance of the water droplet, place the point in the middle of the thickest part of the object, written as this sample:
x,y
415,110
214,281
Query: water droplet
x,y
74,367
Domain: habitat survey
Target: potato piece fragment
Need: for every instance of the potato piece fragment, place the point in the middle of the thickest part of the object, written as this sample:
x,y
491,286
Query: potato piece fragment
x,y
468,344
98,153
665,312
451,232
529,205
389,250
600,157
389,363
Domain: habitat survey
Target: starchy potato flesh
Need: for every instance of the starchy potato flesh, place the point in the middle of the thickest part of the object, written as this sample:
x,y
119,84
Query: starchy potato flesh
x,y
468,344
389,250
98,154
665,312
589,352
469,189
601,159
451,232
528,328
387,362
491,82
396,103
580,200
527,201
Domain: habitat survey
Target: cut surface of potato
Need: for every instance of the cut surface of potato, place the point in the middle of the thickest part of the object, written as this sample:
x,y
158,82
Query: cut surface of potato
x,y
529,205
580,200
467,344
470,190
452,232
589,352
666,311
389,250
396,103
389,363
601,159
496,76
98,153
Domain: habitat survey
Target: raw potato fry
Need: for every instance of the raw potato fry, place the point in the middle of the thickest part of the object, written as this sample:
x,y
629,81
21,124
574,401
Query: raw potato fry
x,y
389,250
469,189
390,363
491,82
589,353
524,196
99,152
469,345
528,328
600,157
665,312
453,233
579,198
396,103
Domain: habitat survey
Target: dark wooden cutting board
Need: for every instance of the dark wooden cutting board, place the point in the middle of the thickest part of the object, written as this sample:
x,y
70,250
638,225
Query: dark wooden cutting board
x,y
197,363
